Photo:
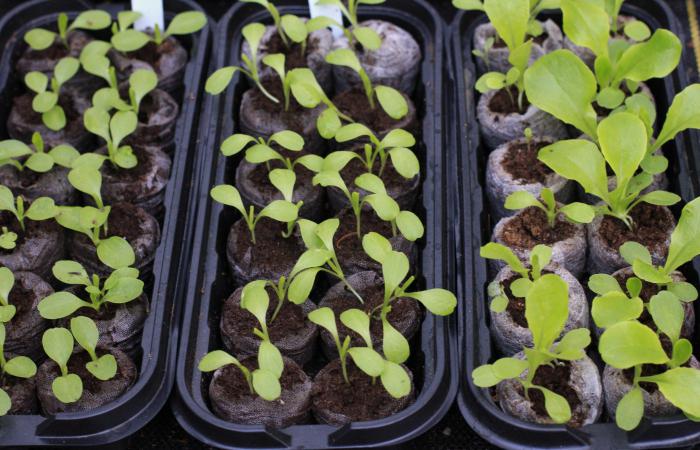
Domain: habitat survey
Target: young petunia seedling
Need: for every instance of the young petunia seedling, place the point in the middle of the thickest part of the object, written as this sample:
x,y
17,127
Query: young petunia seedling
x,y
87,220
42,208
21,156
546,312
126,39
141,83
392,101
48,90
19,366
41,39
94,60
576,212
365,36
393,377
7,281
113,130
121,286
261,150
513,19
308,93
85,332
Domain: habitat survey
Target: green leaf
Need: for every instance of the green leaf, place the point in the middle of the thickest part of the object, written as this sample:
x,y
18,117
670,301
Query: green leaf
x,y
655,58
44,101
104,368
352,131
632,251
93,19
266,385
507,368
39,162
623,141
124,290
627,344
60,305
42,208
685,239
500,252
578,160
376,246
97,122
610,97
186,22
499,304
122,124
680,386
484,376
7,313
58,344
39,39
682,351
216,359
546,310
668,314
328,124
394,270
87,180
344,57
270,358
587,25
520,200
560,83
685,291
228,195
233,144
301,286
260,153
7,200
371,183
438,301
660,198
519,58
410,226
21,367
615,307
649,273
219,80
681,116
294,27
116,252
578,212
65,69
280,210
367,360
125,19
283,180
324,317
602,283
510,19
37,82
289,140
520,287
70,272
392,102
12,148
395,380
557,407
395,345
85,332
574,342
55,118
142,81
367,37
637,30
358,321
7,281
67,388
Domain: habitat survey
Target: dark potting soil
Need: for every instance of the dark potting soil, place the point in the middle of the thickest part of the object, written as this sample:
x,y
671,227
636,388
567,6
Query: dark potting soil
x,y
530,227
259,177
296,117
22,297
294,58
55,51
522,163
270,249
503,103
74,120
25,177
151,53
236,388
289,322
361,399
354,104
391,178
516,305
650,224
346,242
556,379
135,175
22,393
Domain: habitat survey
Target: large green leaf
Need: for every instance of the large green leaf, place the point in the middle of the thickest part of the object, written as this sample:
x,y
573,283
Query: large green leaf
x,y
627,344
546,310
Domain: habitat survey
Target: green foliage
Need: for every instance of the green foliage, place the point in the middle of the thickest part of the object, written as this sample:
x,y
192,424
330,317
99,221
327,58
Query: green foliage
x,y
19,366
42,208
127,39
7,281
47,92
575,212
35,158
41,39
141,83
365,36
113,130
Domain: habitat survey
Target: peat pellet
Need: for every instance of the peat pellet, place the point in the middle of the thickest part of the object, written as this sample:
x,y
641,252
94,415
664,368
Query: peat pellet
x,y
232,400
577,381
22,393
38,246
23,333
395,63
405,315
336,402
32,185
95,392
157,119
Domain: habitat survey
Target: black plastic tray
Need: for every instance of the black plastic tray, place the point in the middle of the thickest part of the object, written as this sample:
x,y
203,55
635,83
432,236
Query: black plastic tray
x,y
209,283
124,416
475,225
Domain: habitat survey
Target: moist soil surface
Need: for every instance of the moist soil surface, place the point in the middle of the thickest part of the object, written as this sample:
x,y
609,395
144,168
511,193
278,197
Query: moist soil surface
x,y
296,117
530,227
556,379
151,53
503,103
236,388
650,224
516,305
270,249
32,229
347,245
521,162
259,177
294,58
26,177
360,399
290,321
23,299
354,104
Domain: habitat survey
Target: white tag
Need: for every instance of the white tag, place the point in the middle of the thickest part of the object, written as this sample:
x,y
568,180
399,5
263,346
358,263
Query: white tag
x,y
332,11
151,14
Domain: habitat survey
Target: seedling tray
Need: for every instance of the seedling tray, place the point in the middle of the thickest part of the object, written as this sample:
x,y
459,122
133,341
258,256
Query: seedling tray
x,y
209,283
475,226
119,419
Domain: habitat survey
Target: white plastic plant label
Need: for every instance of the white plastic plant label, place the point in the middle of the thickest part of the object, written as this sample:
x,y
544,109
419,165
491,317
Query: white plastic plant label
x,y
332,11
151,14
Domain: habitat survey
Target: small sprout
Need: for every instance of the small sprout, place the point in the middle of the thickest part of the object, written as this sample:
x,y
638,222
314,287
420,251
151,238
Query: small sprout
x,y
41,39
19,366
485,54
277,19
514,78
367,37
141,83
21,156
546,312
392,101
309,94
121,286
88,180
8,239
47,92
279,210
94,60
87,220
261,151
113,130
7,281
540,256
58,345
126,39
575,212
86,335
42,208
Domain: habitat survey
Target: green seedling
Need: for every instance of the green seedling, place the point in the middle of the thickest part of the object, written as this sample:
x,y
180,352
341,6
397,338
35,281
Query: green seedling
x,y
219,80
395,269
367,37
308,93
546,312
85,332
87,220
141,83
8,239
392,101
88,180
540,256
395,146
261,150
279,210
113,130
512,19
127,39
393,376
575,212
19,366
21,156
485,54
47,92
121,286
7,282
514,78
42,208
94,60
41,39
623,145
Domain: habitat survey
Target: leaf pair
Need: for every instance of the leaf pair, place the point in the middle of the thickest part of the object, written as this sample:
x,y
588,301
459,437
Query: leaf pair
x,y
113,130
42,208
141,83
366,36
47,92
41,39
576,212
20,155
127,39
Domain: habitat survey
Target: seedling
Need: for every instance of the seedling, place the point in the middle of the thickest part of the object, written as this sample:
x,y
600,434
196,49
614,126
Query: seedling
x,y
113,130
485,54
395,145
141,83
575,212
395,268
623,145
42,208
587,24
309,94
7,281
511,18
19,366
392,101
47,91
394,378
262,152
540,256
367,37
8,239
122,285
386,208
41,39
493,81
88,180
288,27
127,39
20,156
279,210
219,80
87,220
546,312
